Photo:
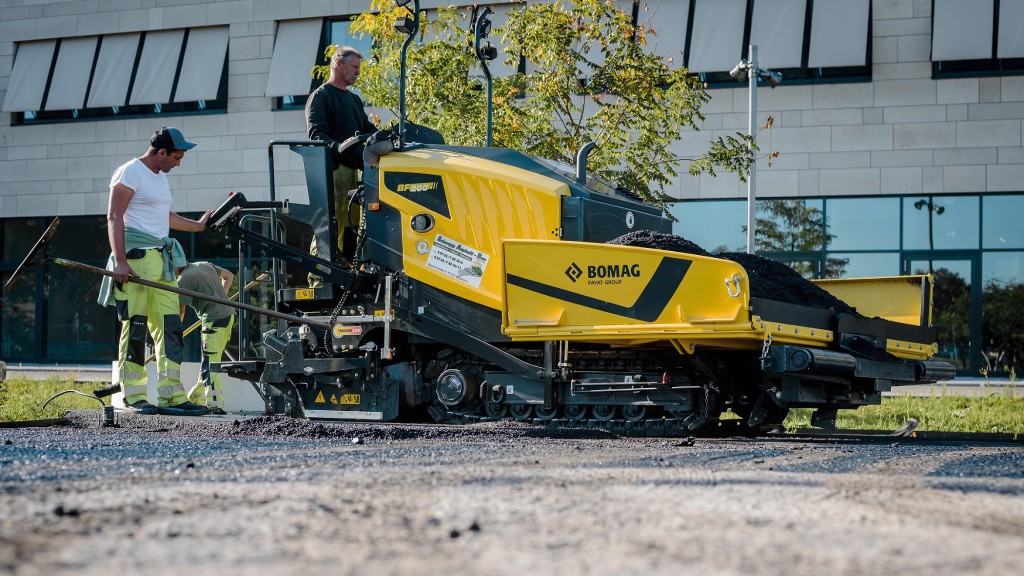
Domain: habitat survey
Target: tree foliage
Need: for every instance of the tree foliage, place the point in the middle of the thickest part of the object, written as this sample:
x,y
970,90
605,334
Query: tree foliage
x,y
589,77
793,226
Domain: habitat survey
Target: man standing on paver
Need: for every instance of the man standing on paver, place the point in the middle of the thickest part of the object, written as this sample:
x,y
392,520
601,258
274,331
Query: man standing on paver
x,y
334,114
139,219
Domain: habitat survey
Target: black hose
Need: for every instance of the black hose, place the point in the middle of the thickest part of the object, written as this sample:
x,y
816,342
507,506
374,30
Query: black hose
x,y
73,392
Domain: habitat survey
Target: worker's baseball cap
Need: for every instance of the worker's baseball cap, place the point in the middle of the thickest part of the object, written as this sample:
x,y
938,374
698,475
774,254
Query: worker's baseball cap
x,y
170,138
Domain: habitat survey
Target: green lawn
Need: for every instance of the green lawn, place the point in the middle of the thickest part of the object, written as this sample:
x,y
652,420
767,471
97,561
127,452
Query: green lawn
x,y
997,411
22,399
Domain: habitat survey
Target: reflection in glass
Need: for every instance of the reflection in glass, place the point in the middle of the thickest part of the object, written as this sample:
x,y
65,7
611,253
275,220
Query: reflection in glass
x,y
794,225
77,328
716,226
940,222
18,319
869,265
1002,324
81,238
340,35
1002,219
951,308
19,237
863,223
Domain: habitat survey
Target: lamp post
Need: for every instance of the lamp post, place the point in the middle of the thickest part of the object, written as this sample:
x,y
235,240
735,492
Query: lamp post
x,y
932,208
747,70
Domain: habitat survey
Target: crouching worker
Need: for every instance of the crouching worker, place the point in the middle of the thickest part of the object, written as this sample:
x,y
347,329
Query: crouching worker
x,y
217,320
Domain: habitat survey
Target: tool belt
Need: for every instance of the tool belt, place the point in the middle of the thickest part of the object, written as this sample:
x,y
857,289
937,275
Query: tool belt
x,y
136,253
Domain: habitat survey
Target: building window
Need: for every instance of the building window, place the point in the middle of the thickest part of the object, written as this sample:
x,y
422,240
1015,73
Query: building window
x,y
941,222
808,41
300,45
978,38
119,75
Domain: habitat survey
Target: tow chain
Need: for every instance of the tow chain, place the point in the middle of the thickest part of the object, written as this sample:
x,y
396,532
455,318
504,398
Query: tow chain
x,y
360,240
765,358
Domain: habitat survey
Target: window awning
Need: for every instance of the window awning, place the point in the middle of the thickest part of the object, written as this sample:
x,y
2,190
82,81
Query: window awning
x,y
28,78
839,33
294,57
113,70
1011,32
777,30
962,30
71,75
717,41
203,64
669,18
157,65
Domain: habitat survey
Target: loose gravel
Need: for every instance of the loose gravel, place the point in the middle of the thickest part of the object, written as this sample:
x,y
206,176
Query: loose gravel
x,y
218,495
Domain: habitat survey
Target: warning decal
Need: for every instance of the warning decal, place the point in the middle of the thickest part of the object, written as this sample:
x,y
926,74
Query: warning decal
x,y
457,260
320,398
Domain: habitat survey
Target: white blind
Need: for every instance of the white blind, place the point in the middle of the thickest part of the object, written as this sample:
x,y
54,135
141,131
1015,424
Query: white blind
x,y
669,19
203,64
294,56
113,70
839,33
717,41
159,61
71,74
778,32
1011,29
962,30
28,78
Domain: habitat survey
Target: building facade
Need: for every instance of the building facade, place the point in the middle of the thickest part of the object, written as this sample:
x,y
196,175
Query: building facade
x,y
898,127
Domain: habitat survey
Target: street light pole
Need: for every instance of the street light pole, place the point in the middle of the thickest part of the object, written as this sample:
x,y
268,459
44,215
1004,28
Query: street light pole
x,y
752,131
748,70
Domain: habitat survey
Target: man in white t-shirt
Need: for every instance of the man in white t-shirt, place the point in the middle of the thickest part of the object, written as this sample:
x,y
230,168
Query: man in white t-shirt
x,y
139,219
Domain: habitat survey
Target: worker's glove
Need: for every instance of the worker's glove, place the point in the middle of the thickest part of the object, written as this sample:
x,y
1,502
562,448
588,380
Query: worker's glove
x,y
348,143
380,143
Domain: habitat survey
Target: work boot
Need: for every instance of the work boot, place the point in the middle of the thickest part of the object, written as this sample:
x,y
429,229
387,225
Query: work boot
x,y
184,409
216,411
140,407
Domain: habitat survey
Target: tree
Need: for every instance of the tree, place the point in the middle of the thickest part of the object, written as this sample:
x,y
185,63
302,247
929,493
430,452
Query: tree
x,y
589,79
1002,326
951,315
793,226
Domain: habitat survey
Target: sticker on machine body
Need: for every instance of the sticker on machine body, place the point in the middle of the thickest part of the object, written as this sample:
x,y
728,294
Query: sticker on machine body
x,y
457,260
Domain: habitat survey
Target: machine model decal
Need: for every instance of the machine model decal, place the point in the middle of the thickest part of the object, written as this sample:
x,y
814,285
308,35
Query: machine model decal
x,y
647,307
427,190
457,260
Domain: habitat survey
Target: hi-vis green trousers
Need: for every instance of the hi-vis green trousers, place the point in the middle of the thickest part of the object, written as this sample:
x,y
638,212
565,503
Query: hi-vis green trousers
x,y
149,311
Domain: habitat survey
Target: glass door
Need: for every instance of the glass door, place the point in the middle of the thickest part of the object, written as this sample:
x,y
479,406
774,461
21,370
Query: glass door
x,y
956,305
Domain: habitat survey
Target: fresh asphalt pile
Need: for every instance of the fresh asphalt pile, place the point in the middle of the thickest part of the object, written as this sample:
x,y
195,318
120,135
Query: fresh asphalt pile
x,y
769,279
269,427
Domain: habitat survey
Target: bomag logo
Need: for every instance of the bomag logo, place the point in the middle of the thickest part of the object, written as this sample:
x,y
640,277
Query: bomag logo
x,y
604,273
417,187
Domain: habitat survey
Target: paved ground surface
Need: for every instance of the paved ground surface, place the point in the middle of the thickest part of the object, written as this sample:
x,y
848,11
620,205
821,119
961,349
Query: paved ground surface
x,y
214,495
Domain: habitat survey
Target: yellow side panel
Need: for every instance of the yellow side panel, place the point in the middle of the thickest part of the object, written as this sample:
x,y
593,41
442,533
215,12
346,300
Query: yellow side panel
x,y
599,292
905,299
488,201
